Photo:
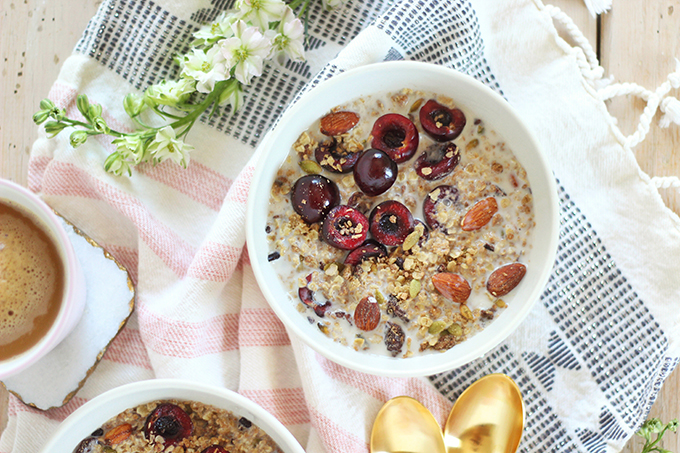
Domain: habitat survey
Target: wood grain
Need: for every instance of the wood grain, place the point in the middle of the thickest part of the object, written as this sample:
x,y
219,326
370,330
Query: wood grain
x,y
638,43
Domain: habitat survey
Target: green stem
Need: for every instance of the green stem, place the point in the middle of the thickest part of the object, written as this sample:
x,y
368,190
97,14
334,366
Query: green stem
x,y
214,96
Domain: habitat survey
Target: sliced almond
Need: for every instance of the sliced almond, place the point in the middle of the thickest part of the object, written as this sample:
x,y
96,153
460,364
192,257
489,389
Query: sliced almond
x,y
452,286
505,279
338,123
480,214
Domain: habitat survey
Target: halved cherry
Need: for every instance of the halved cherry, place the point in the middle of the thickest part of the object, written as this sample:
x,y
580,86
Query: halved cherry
x,y
390,222
313,196
396,135
441,197
369,249
375,172
333,156
306,296
440,122
170,422
345,227
437,161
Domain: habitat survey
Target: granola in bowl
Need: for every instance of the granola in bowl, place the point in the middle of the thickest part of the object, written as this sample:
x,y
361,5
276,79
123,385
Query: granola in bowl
x,y
398,222
178,427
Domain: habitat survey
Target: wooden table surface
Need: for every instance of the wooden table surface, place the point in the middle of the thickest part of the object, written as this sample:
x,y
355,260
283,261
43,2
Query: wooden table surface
x,y
637,41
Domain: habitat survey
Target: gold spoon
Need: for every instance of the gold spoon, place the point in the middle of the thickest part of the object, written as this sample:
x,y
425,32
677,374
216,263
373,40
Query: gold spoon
x,y
488,417
403,425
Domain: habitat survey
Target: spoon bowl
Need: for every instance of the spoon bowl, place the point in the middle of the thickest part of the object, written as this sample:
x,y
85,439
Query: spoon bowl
x,y
404,425
488,417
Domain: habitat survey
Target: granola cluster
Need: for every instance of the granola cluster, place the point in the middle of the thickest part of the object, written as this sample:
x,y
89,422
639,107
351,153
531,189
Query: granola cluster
x,y
415,315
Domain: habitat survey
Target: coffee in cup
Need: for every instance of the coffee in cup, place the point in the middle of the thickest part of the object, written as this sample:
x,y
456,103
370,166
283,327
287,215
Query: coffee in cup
x,y
31,280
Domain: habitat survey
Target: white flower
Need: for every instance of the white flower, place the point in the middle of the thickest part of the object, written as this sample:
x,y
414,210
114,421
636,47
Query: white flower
x,y
220,28
246,51
166,145
117,165
261,12
290,37
130,148
333,4
169,92
207,68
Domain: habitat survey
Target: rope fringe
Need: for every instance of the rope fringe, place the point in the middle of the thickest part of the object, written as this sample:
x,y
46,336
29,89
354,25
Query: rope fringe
x,y
657,100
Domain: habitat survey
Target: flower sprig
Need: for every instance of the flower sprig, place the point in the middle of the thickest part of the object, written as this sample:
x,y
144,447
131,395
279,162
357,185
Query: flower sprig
x,y
224,57
655,426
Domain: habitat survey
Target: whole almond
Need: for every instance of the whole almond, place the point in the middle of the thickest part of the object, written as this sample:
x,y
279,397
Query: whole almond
x,y
480,214
505,279
338,123
367,314
452,286
118,434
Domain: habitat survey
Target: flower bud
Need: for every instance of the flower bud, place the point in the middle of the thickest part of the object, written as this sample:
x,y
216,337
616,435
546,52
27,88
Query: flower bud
x,y
99,125
46,104
41,116
83,105
133,104
53,128
95,110
77,138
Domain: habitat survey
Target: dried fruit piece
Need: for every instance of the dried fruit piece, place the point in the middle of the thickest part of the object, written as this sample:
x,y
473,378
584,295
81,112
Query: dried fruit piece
x,y
367,314
479,215
505,279
118,434
394,338
338,123
393,309
452,286
170,422
443,197
214,449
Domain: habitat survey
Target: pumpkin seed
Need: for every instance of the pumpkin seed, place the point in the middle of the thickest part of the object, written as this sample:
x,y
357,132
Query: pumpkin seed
x,y
466,312
456,330
310,167
437,327
414,288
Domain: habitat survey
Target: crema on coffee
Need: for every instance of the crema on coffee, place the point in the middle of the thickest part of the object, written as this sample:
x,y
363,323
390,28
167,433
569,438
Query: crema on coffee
x,y
31,281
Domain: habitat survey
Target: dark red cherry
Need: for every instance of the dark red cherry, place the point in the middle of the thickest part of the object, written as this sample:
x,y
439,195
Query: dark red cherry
x,y
170,422
313,196
390,222
396,135
437,161
369,249
332,156
440,122
441,197
214,449
345,227
87,445
375,172
306,296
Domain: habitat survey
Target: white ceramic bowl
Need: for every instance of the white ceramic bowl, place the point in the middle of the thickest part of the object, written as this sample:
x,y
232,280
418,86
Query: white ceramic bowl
x,y
95,412
73,301
497,115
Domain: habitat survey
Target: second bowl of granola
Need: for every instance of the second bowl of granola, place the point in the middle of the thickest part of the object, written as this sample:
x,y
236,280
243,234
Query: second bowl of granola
x,y
402,219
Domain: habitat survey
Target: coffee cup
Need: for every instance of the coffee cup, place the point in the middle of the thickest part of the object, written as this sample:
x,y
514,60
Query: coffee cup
x,y
42,287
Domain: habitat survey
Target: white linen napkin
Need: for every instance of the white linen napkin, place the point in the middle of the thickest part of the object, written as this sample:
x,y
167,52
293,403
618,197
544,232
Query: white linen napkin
x,y
591,357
